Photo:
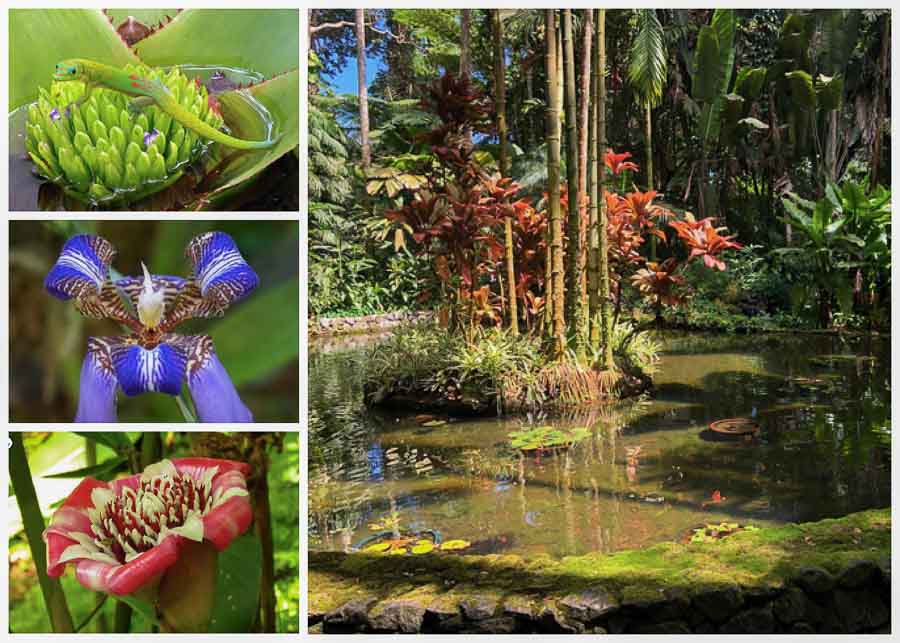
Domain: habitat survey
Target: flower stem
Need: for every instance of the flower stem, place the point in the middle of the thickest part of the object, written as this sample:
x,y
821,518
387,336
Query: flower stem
x,y
100,602
122,619
26,497
262,518
185,409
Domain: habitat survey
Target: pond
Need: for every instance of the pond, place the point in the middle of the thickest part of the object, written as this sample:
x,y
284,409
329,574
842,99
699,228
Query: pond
x,y
648,472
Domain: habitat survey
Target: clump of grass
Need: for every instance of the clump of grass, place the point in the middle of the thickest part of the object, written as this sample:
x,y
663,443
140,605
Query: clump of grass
x,y
492,365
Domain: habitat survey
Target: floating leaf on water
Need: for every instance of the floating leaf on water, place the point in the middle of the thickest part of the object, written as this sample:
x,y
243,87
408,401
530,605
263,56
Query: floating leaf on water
x,y
546,437
451,545
423,547
398,551
377,548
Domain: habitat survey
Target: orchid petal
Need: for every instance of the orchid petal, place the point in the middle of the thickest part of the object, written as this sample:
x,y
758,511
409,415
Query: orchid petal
x,y
97,386
221,273
82,267
215,397
140,369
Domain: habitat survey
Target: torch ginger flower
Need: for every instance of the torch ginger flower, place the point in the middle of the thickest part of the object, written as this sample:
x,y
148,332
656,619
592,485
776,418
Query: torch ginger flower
x,y
123,535
152,357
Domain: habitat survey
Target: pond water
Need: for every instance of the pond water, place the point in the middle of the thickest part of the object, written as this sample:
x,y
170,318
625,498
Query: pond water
x,y
647,474
30,192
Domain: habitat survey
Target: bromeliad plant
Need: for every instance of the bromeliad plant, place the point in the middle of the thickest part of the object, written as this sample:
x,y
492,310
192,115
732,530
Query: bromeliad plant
x,y
151,356
218,49
152,539
99,151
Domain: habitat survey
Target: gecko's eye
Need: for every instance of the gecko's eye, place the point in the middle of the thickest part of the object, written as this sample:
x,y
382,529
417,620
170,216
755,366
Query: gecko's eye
x,y
72,70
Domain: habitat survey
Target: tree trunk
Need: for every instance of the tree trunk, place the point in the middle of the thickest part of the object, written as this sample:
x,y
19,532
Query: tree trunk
x,y
883,78
465,56
500,103
573,226
363,90
583,128
602,240
648,160
554,134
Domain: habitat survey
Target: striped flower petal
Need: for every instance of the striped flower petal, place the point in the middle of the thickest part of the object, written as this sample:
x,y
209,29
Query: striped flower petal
x,y
97,386
215,396
220,272
82,267
142,370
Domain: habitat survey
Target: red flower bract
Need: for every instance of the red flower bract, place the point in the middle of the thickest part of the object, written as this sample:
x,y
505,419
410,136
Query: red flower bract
x,y
121,535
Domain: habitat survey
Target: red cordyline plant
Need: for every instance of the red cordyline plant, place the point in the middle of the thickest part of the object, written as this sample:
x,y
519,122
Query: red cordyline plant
x,y
631,218
125,537
455,218
658,280
617,163
704,239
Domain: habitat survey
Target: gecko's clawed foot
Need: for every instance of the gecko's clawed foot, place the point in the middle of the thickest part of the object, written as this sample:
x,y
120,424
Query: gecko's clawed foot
x,y
138,105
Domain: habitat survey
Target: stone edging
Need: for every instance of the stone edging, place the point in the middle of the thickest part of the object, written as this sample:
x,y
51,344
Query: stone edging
x,y
331,326
813,601
829,576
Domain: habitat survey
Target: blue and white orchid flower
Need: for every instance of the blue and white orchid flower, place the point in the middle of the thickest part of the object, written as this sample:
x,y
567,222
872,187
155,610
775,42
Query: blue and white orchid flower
x,y
151,357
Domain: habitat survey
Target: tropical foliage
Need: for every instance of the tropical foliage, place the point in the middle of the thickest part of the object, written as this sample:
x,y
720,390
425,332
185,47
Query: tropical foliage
x,y
715,130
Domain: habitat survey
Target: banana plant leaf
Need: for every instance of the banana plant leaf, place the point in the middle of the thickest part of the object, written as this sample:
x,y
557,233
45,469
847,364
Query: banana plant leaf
x,y
253,43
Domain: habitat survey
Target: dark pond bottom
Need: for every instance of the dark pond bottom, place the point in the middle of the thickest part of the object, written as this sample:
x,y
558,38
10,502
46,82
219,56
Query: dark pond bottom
x,y
647,474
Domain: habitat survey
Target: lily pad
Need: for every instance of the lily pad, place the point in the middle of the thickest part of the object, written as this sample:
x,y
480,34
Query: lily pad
x,y
453,545
422,547
546,438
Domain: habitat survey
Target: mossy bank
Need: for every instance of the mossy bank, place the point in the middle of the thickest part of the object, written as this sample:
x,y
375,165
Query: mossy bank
x,y
827,576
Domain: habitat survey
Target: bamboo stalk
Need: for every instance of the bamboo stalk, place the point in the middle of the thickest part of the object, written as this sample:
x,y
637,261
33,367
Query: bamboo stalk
x,y
574,224
33,521
554,136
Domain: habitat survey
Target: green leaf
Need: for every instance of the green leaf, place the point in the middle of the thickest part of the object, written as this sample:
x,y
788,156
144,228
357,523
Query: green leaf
x,y
749,82
802,90
830,91
237,586
40,38
266,41
273,342
451,545
148,17
706,64
115,440
144,608
281,97
95,471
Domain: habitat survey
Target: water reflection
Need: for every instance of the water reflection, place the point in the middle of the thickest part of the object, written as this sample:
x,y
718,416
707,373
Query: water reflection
x,y
645,475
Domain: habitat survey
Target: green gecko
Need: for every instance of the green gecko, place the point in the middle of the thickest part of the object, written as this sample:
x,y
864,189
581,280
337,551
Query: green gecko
x,y
147,92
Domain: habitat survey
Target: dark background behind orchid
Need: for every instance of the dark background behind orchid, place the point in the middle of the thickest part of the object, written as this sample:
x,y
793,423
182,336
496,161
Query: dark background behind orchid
x,y
52,454
257,340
